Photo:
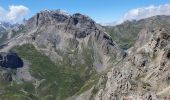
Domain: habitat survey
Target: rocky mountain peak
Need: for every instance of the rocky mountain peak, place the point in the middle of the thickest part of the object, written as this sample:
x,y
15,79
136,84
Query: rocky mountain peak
x,y
53,17
62,12
54,30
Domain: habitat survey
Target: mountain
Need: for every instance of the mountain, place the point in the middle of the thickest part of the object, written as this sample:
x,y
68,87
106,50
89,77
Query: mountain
x,y
64,55
4,26
3,31
58,56
126,33
8,31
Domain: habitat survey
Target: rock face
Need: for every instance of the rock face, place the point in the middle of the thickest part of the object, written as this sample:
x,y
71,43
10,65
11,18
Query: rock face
x,y
51,31
57,29
10,60
144,74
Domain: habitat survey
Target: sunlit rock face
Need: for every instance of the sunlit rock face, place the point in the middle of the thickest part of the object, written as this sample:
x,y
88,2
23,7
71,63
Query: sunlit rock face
x,y
10,60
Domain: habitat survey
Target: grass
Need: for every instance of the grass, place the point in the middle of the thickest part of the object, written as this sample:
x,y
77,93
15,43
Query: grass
x,y
125,41
125,34
62,79
13,91
89,84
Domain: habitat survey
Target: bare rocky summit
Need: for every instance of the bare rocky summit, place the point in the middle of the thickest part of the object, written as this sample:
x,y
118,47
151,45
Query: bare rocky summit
x,y
50,31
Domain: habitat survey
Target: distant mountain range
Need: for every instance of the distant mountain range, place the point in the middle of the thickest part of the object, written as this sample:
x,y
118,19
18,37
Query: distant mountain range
x,y
8,30
126,33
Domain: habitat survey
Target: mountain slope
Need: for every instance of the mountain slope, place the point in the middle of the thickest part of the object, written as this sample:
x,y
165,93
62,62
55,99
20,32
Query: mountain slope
x,y
64,55
126,33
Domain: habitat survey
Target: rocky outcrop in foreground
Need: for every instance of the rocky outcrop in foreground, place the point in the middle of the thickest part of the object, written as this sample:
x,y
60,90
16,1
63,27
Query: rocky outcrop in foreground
x,y
144,74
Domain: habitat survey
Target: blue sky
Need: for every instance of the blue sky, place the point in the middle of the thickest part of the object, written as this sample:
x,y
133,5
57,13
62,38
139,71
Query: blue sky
x,y
99,10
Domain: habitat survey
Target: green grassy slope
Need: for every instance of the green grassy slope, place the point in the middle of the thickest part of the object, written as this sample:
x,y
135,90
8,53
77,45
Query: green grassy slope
x,y
61,80
126,33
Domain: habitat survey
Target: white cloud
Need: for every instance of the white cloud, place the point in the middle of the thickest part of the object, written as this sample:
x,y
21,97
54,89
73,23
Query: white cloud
x,y
2,12
17,12
14,14
145,12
